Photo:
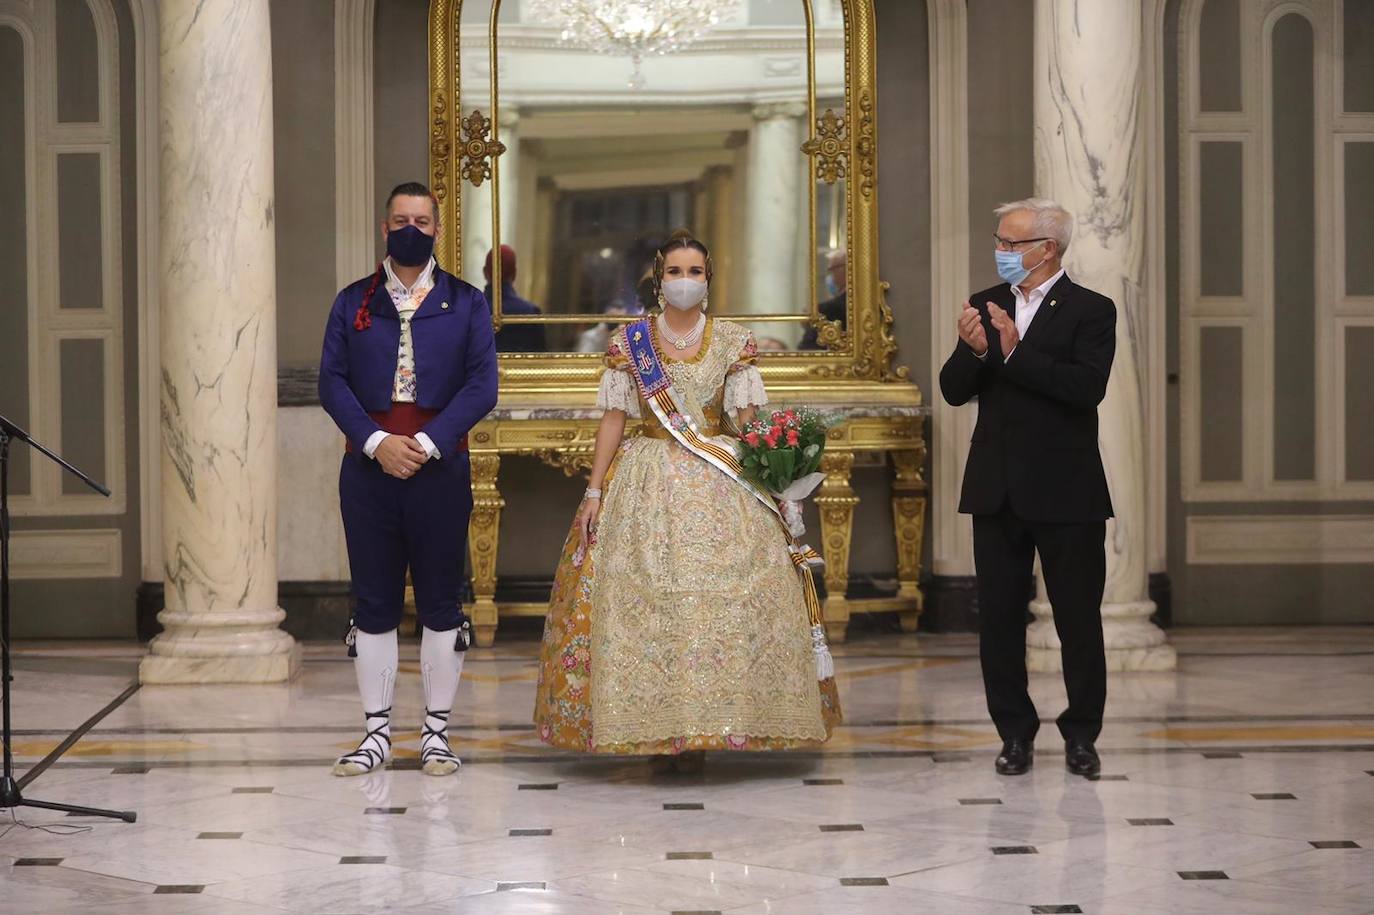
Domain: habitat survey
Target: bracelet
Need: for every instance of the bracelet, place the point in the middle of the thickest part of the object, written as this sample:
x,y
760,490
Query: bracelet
x,y
592,494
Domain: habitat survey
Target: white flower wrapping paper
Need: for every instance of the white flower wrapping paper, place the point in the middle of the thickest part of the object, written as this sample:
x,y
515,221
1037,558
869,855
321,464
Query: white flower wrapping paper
x,y
801,487
790,501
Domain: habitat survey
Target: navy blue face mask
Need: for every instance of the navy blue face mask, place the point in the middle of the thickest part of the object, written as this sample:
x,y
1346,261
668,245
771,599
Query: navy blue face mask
x,y
409,247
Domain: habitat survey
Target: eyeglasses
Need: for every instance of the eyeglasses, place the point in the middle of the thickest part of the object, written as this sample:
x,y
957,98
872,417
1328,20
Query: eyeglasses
x,y
1010,244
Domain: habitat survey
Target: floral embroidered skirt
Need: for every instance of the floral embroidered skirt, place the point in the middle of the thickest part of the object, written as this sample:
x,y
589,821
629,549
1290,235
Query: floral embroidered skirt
x,y
684,627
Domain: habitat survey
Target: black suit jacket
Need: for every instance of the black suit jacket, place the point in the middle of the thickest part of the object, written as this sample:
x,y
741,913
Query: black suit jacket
x,y
1035,444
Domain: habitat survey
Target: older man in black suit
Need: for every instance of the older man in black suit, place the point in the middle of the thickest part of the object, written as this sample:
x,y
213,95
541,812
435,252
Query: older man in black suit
x,y
1036,351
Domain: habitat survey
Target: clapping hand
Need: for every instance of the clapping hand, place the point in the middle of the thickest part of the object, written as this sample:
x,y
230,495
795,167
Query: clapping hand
x,y
1005,327
971,330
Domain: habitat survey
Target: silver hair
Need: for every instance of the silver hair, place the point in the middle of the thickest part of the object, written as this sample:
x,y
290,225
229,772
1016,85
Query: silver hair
x,y
1051,219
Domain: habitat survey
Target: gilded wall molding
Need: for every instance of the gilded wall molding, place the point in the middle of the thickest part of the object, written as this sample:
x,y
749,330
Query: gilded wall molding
x,y
480,149
830,146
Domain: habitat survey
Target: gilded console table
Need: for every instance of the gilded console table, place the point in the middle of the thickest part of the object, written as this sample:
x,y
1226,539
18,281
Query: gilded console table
x,y
563,437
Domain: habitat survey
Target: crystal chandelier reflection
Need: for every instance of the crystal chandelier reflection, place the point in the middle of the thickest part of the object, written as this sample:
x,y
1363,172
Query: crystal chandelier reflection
x,y
633,28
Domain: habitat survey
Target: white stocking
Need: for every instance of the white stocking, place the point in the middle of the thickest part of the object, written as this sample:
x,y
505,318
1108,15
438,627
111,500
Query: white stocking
x,y
440,668
378,657
375,666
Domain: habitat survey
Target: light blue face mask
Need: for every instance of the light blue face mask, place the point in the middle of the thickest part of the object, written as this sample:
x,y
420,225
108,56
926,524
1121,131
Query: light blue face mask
x,y
1009,266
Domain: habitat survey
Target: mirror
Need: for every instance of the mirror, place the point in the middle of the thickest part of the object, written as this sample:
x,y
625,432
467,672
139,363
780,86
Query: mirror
x,y
616,131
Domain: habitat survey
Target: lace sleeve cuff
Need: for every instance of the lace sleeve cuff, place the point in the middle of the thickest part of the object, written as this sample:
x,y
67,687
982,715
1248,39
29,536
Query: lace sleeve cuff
x,y
618,392
744,388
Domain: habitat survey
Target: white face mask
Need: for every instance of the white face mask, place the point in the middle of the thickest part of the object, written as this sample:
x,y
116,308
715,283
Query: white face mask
x,y
684,293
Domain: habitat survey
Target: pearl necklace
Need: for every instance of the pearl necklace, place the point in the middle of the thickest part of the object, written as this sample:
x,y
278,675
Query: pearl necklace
x,y
682,341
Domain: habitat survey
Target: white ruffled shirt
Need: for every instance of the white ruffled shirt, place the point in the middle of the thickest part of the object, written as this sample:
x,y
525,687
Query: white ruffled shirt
x,y
407,300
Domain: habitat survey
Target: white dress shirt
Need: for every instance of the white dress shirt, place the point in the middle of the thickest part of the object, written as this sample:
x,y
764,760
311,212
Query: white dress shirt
x,y
1026,307
403,297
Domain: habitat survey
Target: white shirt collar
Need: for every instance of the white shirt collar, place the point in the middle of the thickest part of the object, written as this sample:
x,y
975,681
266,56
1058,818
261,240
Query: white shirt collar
x,y
425,279
1039,292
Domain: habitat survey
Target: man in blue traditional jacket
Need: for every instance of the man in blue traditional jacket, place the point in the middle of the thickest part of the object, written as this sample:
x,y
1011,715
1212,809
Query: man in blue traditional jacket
x,y
408,367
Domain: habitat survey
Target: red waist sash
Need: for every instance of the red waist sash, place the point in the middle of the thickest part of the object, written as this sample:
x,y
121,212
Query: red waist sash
x,y
408,419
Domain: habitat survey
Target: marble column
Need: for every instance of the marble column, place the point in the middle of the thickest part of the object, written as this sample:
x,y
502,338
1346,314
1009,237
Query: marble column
x,y
777,168
1089,157
219,351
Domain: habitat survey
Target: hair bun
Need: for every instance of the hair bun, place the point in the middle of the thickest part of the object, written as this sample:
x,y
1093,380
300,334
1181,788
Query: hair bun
x,y
680,235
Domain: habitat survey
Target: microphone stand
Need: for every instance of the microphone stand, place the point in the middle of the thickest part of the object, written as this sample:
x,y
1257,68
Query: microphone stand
x,y
10,795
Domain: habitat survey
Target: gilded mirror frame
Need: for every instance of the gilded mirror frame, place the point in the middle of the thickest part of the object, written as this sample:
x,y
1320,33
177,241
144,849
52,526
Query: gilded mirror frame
x,y
464,141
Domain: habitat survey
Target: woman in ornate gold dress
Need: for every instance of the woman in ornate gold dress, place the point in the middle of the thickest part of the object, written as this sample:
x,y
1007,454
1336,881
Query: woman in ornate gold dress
x,y
678,621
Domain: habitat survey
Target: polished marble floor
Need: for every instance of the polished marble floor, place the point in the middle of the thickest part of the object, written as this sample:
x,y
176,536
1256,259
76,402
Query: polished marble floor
x,y
1244,782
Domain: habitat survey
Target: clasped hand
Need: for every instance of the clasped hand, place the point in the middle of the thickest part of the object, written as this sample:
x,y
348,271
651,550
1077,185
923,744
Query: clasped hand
x,y
401,456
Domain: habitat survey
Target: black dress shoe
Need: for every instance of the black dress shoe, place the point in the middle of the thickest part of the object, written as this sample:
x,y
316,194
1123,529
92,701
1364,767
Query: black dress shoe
x,y
1016,757
1081,759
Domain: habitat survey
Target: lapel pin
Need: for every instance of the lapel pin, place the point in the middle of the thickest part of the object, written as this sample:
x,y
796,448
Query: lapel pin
x,y
1051,303
445,305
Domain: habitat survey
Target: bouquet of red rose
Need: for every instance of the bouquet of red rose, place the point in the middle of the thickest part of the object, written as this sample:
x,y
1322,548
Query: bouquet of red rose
x,y
782,454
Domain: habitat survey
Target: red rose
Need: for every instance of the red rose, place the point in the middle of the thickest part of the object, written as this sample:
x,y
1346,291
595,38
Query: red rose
x,y
792,436
753,439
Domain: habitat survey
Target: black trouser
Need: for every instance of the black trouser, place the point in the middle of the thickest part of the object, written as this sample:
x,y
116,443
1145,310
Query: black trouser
x,y
1073,561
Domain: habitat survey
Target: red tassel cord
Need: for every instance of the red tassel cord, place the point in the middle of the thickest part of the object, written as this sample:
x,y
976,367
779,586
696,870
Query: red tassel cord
x,y
363,319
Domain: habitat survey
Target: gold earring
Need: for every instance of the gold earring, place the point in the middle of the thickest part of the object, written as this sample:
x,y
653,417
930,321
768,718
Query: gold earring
x,y
706,301
662,302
